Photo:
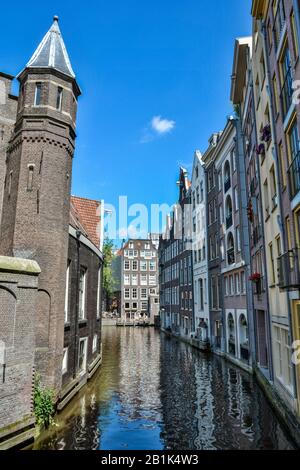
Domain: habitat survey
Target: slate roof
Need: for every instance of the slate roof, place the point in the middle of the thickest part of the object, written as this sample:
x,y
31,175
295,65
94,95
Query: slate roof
x,y
52,52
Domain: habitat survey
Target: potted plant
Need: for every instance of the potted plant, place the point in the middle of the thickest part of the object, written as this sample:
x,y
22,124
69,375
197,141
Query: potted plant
x,y
250,212
266,133
260,150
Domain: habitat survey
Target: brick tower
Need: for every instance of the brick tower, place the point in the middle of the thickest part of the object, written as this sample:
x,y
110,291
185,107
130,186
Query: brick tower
x,y
36,202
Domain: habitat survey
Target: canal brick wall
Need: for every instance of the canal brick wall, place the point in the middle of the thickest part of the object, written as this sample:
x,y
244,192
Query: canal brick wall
x,y
18,296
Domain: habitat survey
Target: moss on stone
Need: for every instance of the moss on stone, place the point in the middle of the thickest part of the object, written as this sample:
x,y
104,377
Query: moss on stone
x,y
20,265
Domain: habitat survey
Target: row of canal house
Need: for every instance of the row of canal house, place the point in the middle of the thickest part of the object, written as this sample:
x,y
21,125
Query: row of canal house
x,y
50,244
244,225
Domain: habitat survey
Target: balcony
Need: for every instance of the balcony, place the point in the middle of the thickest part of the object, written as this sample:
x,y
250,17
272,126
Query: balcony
x,y
227,184
229,221
286,95
294,176
288,270
279,22
244,351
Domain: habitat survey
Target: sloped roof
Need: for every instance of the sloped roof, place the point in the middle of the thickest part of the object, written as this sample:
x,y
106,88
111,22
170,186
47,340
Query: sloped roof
x,y
52,52
85,215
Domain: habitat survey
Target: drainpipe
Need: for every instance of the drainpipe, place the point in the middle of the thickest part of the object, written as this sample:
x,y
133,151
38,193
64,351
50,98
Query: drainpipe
x,y
76,342
281,211
245,232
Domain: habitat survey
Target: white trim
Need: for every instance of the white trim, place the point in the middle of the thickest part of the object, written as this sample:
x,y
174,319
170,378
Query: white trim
x,y
85,241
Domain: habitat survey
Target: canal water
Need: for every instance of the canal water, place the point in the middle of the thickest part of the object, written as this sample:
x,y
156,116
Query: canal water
x,y
156,393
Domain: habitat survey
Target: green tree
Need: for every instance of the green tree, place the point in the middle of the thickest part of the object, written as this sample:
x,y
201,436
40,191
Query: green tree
x,y
108,278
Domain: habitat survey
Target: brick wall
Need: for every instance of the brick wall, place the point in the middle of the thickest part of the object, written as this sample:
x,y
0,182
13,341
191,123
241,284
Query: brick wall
x,y
18,294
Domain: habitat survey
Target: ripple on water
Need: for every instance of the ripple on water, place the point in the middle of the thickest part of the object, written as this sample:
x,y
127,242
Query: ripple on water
x,y
156,393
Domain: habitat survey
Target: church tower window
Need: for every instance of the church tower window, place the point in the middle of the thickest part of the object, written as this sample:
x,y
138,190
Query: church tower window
x,y
30,177
38,94
59,98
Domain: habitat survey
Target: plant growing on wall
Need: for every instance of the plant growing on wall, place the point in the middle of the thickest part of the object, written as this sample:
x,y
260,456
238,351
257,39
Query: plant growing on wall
x,y
108,278
43,401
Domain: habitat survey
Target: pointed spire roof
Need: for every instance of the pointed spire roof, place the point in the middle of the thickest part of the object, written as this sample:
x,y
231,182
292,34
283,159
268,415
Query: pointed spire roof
x,y
52,52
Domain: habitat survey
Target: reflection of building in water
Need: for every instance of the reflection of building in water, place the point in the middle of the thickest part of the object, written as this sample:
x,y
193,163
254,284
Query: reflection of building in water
x,y
208,405
139,373
78,424
205,406
178,395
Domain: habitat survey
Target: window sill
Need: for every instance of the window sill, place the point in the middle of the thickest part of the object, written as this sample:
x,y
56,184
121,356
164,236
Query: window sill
x,y
82,323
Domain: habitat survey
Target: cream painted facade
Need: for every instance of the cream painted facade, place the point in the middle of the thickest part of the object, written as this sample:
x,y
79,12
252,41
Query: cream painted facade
x,y
278,301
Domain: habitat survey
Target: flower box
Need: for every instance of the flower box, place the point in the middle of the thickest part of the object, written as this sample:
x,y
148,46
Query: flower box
x,y
255,277
266,134
260,150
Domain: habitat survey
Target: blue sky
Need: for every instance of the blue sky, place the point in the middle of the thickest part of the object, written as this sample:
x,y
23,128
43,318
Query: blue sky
x,y
155,77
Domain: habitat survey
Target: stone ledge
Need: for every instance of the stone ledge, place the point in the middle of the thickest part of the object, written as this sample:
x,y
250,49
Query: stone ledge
x,y
285,415
17,433
19,265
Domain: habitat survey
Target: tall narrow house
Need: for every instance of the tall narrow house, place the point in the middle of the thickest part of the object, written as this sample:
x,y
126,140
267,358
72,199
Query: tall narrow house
x,y
36,201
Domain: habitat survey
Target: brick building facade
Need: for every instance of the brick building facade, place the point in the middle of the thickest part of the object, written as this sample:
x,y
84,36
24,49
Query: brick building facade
x,y
41,222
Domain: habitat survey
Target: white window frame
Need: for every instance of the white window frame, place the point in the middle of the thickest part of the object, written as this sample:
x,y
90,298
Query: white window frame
x,y
143,263
82,371
64,366
136,291
126,261
144,293
95,341
82,307
127,294
99,293
67,293
38,86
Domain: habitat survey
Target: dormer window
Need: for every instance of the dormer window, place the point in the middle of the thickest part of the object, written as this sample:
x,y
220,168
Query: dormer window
x,y
38,94
59,98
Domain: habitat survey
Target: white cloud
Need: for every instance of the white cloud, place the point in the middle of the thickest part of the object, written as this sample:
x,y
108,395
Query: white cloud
x,y
162,126
157,127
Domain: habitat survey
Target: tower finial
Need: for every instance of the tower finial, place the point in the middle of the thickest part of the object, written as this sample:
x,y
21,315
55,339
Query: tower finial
x,y
55,18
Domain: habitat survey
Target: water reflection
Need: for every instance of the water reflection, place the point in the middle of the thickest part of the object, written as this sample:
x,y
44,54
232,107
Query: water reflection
x,y
157,393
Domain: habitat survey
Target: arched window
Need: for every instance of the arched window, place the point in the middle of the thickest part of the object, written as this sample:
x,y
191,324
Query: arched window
x,y
227,177
228,211
231,334
30,177
230,249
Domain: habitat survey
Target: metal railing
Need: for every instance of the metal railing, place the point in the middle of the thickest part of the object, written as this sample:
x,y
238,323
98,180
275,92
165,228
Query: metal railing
x,y
288,270
294,176
286,95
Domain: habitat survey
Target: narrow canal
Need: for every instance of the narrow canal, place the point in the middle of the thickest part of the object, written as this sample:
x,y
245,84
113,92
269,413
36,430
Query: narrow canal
x,y
156,393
